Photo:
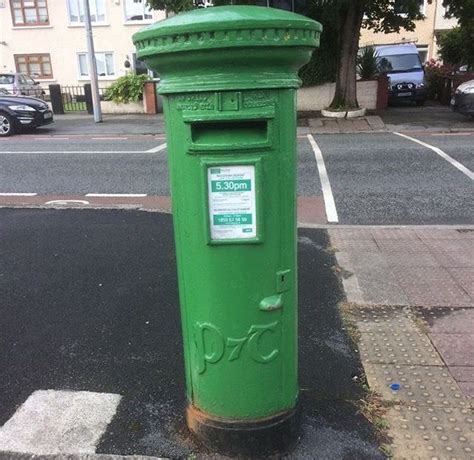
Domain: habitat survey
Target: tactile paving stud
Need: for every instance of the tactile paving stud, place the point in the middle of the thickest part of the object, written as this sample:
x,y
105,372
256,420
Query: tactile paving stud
x,y
443,433
431,386
407,348
382,318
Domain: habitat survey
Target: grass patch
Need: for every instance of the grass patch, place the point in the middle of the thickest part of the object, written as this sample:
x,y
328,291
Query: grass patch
x,y
371,405
348,323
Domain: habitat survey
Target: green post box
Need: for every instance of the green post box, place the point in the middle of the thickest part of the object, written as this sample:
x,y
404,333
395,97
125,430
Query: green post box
x,y
228,81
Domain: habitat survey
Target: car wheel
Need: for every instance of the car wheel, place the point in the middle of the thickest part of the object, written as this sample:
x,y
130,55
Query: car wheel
x,y
6,125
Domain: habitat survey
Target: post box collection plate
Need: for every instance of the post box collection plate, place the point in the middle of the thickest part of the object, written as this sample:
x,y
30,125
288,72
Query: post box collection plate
x,y
232,202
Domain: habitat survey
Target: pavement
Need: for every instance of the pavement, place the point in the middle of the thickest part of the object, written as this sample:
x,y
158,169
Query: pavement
x,y
432,118
403,118
81,123
410,294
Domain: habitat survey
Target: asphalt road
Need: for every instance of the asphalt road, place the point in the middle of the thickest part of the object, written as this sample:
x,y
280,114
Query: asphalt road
x,y
373,178
92,305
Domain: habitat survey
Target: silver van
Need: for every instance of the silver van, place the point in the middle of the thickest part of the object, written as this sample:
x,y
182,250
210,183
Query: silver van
x,y
403,66
20,84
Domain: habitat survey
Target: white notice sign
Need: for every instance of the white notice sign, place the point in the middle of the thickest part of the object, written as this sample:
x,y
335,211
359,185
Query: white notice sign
x,y
232,210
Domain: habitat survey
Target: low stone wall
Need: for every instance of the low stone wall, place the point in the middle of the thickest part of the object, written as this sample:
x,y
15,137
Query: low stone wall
x,y
112,107
314,98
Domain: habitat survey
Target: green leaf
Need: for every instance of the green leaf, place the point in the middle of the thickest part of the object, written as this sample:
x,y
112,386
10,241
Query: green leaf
x,y
126,89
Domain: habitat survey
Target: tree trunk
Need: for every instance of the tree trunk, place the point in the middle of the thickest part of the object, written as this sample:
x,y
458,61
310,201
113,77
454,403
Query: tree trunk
x,y
345,96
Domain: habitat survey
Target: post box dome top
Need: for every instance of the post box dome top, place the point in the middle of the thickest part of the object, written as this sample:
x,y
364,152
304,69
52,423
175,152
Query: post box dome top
x,y
247,35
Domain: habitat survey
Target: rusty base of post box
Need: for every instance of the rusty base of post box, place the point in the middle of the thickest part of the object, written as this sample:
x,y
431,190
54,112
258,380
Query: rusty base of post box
x,y
268,436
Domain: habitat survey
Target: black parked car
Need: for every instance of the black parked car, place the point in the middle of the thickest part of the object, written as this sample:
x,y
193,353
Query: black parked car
x,y
463,99
22,112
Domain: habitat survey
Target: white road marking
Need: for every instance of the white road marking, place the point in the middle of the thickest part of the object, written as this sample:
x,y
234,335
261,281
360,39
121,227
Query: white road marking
x,y
442,154
53,422
157,148
18,194
331,212
65,202
117,195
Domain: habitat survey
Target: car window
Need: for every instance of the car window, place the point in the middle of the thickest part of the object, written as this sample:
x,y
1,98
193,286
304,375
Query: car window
x,y
22,79
7,79
29,80
400,63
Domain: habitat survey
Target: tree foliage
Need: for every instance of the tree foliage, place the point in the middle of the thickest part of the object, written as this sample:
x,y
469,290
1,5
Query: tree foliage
x,y
457,45
348,17
454,48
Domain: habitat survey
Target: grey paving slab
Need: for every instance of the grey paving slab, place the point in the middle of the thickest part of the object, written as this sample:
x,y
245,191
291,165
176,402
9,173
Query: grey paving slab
x,y
356,245
315,123
448,320
467,388
456,349
351,233
463,373
464,277
394,233
422,259
453,253
376,280
431,286
406,246
375,122
444,234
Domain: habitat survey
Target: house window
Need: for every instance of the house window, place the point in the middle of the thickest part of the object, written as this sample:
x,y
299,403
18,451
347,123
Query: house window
x,y
29,12
36,65
105,65
76,11
402,6
136,10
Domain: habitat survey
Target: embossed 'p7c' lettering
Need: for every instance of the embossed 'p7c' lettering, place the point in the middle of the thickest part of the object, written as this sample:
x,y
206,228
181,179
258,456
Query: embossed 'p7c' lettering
x,y
212,346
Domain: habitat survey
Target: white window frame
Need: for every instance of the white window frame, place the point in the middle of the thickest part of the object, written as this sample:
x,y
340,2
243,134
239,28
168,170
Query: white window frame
x,y
81,24
87,77
135,21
